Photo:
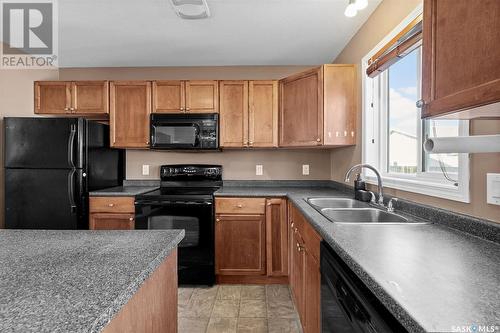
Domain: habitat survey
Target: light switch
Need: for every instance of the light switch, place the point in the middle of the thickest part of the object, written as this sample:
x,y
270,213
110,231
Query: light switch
x,y
493,188
305,169
145,169
259,170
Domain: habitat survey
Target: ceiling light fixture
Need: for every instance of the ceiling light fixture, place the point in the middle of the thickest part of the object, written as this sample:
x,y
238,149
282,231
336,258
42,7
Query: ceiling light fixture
x,y
191,9
351,9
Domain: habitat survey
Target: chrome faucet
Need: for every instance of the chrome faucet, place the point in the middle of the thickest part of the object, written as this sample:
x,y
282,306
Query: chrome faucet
x,y
379,178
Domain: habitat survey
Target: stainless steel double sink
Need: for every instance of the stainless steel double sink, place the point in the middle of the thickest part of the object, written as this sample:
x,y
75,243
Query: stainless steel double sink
x,y
344,210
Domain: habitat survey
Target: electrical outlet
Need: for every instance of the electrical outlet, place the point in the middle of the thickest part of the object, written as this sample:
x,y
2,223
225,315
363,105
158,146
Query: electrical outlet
x,y
145,169
305,169
259,170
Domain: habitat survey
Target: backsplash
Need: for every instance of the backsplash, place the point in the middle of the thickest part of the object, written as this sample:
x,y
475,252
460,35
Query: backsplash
x,y
237,164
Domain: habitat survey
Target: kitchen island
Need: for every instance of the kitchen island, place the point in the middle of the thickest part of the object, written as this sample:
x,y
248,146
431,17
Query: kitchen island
x,y
88,281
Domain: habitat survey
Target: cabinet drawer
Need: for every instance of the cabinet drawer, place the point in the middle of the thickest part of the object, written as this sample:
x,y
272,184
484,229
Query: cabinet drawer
x,y
240,205
111,221
111,205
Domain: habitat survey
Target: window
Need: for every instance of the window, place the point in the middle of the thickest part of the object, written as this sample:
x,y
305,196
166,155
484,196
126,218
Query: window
x,y
393,132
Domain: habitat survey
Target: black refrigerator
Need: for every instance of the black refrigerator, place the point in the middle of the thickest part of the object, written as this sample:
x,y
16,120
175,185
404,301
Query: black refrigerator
x,y
51,164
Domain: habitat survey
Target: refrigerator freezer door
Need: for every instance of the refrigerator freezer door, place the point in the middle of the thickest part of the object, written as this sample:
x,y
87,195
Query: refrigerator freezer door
x,y
41,198
44,143
104,166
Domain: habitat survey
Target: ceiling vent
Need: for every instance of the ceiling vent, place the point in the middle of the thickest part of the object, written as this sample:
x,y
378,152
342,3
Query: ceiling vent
x,y
191,9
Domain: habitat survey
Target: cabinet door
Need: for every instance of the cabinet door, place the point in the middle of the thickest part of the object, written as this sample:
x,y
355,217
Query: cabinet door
x,y
168,96
460,66
111,221
312,301
276,237
52,97
202,96
301,110
339,105
240,245
297,277
90,97
233,113
263,113
130,107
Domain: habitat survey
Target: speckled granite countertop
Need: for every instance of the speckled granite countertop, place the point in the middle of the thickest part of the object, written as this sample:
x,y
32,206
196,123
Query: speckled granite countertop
x,y
74,281
432,278
123,191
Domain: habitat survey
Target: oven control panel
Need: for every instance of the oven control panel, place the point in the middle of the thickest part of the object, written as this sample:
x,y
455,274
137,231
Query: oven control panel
x,y
202,171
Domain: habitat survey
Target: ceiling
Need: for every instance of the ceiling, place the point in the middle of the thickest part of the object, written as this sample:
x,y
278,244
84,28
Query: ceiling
x,y
130,33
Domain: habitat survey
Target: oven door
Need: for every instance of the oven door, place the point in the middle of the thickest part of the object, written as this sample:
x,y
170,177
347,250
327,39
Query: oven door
x,y
179,135
196,250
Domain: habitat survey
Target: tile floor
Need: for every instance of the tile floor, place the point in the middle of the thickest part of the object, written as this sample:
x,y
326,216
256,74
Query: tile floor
x,y
236,308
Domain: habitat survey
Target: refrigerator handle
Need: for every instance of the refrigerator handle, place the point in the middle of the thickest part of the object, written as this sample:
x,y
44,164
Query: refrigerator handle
x,y
71,144
71,190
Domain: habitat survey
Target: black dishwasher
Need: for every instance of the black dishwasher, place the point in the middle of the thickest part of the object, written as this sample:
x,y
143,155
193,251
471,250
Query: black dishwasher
x,y
347,305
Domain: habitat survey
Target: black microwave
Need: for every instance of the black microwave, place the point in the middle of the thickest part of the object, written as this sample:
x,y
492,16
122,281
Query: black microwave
x,y
184,131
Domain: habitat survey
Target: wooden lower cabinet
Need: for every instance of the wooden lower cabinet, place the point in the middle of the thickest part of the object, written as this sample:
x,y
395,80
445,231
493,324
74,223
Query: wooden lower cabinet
x,y
240,245
111,213
251,240
305,277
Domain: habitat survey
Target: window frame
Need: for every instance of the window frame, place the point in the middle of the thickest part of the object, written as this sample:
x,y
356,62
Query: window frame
x,y
375,138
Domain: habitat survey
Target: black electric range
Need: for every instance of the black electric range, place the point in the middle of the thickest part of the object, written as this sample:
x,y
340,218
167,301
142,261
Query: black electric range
x,y
185,200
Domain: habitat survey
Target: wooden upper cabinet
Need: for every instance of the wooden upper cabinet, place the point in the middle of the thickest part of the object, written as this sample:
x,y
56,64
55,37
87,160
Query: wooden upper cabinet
x,y
318,107
52,97
240,244
168,96
301,109
130,106
249,114
276,237
263,113
233,113
185,96
202,96
90,98
460,61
